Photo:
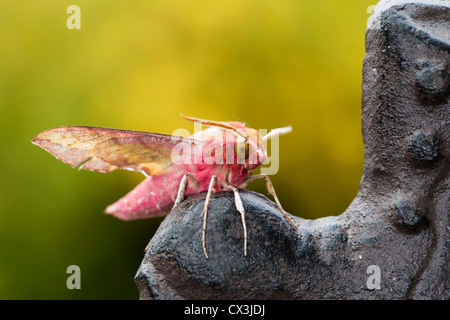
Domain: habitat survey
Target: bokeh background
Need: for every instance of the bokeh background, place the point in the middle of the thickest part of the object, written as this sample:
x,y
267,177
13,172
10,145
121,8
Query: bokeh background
x,y
137,65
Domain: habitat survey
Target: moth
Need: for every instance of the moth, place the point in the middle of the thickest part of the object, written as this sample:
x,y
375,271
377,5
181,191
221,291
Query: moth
x,y
215,159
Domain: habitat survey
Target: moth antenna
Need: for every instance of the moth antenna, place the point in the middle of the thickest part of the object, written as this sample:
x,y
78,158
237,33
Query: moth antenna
x,y
277,132
217,124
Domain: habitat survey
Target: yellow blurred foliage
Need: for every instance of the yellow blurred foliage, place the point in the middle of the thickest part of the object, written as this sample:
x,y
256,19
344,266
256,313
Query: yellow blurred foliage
x,y
138,65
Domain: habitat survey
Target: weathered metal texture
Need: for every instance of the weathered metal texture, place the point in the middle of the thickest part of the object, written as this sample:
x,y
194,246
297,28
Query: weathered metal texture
x,y
399,221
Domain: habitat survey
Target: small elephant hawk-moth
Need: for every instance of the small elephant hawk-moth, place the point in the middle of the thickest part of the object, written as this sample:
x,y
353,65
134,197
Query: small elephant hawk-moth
x,y
218,158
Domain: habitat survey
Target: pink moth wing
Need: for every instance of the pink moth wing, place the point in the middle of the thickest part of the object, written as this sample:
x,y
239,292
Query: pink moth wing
x,y
105,149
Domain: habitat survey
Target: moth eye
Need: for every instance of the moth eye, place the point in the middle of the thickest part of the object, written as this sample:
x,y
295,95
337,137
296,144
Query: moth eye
x,y
242,151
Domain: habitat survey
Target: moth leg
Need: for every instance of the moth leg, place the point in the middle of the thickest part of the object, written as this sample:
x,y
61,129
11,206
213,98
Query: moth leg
x,y
271,190
240,208
182,188
205,212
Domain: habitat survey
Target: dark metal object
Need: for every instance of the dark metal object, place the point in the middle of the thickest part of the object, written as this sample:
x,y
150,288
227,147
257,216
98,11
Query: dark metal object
x,y
399,220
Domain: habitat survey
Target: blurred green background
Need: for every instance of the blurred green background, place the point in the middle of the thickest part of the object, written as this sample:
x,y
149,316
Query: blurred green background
x,y
137,65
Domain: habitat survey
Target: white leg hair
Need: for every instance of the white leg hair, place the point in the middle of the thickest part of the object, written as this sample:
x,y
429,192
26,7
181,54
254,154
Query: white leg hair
x,y
240,208
182,188
205,212
271,190
180,197
237,200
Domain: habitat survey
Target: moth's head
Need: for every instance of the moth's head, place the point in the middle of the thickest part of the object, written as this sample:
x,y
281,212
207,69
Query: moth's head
x,y
252,148
248,143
